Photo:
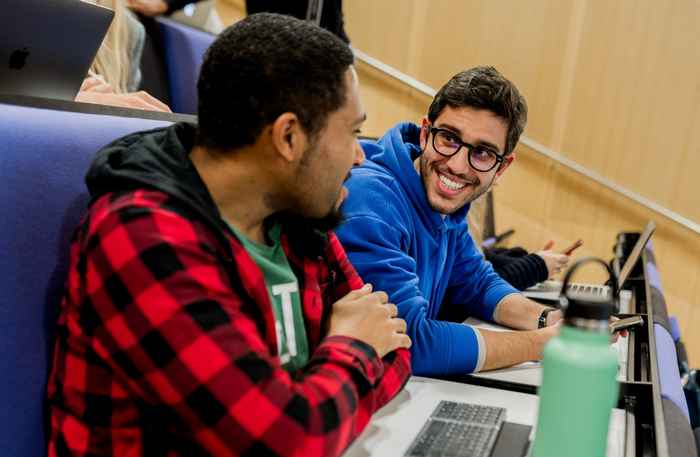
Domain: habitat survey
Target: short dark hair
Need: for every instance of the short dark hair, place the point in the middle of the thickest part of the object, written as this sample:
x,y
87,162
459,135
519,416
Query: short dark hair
x,y
484,88
263,66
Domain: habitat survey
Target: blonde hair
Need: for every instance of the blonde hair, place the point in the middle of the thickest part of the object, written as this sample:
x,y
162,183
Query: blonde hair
x,y
112,60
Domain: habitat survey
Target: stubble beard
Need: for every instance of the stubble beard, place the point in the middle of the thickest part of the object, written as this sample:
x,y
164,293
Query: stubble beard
x,y
426,169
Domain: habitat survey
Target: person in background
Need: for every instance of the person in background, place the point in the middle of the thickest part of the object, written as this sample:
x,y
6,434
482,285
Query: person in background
x,y
209,307
115,74
325,13
518,267
406,231
152,8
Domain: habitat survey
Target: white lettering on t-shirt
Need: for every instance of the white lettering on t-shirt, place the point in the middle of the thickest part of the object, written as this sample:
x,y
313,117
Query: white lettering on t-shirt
x,y
285,291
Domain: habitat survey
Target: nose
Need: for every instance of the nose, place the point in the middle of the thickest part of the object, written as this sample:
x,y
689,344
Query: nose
x,y
359,155
459,163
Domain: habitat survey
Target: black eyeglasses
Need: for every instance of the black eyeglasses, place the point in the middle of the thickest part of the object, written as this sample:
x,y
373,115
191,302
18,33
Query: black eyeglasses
x,y
481,158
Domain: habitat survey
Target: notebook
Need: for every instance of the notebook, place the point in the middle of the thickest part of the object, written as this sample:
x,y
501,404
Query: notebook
x,y
47,46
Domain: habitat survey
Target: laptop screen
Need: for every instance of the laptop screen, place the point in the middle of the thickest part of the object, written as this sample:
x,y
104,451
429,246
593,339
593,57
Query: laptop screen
x,y
636,253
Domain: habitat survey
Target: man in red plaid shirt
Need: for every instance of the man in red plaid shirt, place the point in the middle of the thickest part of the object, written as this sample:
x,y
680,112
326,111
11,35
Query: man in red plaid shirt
x,y
209,309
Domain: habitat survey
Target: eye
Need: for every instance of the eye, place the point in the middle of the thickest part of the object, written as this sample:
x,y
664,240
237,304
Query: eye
x,y
484,154
449,138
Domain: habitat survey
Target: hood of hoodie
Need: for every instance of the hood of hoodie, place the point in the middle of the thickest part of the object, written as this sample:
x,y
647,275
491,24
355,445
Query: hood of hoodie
x,y
396,151
157,159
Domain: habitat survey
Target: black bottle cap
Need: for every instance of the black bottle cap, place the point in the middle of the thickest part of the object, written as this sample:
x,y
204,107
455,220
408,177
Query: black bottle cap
x,y
589,307
593,309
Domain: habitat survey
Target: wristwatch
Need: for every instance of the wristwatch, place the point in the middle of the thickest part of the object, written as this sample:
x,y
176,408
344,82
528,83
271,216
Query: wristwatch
x,y
542,321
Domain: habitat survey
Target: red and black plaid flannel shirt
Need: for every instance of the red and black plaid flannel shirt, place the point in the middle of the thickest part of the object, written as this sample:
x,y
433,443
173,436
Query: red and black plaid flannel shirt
x,y
166,345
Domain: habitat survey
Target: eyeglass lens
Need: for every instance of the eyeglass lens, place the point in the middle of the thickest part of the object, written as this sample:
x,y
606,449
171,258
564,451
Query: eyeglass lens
x,y
481,159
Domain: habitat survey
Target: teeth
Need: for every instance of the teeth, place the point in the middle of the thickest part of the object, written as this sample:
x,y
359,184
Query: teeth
x,y
451,184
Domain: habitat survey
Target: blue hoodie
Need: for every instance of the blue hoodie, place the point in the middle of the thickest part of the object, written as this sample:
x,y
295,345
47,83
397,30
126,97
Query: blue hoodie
x,y
397,242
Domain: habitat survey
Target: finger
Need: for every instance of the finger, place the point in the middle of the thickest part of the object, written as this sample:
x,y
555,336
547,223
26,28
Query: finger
x,y
151,100
89,82
380,296
548,245
102,88
577,244
136,102
140,103
401,340
393,310
161,106
399,325
361,292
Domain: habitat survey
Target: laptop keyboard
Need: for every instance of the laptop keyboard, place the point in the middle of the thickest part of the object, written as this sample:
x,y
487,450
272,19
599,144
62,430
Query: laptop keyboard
x,y
586,289
575,288
459,430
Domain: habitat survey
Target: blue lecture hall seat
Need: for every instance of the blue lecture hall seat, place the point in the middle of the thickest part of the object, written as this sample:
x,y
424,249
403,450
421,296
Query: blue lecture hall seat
x,y
45,154
184,52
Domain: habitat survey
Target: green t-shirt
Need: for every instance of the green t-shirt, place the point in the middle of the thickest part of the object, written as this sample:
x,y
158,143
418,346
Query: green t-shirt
x,y
283,288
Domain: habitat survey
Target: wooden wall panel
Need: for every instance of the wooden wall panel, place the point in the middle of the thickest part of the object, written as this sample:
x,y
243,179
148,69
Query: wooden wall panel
x,y
445,37
635,98
613,85
230,11
390,41
387,101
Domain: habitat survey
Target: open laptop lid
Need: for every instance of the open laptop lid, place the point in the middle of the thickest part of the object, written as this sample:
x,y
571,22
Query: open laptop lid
x,y
636,253
47,46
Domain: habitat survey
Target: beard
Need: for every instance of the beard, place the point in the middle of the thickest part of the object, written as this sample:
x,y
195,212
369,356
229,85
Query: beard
x,y
327,223
308,235
479,189
301,224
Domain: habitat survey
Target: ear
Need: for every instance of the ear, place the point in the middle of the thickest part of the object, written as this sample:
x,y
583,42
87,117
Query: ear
x,y
288,137
504,165
424,132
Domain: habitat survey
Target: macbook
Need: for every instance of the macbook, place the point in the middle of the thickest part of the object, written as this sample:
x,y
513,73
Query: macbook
x,y
47,46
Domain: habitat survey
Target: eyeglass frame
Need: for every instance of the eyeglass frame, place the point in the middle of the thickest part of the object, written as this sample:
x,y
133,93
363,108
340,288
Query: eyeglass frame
x,y
462,144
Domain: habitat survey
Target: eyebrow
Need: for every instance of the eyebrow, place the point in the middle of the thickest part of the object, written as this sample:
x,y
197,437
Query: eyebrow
x,y
458,132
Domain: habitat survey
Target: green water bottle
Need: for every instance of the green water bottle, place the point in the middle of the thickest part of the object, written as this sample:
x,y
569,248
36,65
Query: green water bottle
x,y
579,386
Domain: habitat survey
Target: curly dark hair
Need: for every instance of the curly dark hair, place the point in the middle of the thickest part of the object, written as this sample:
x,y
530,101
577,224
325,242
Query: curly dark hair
x,y
263,66
484,88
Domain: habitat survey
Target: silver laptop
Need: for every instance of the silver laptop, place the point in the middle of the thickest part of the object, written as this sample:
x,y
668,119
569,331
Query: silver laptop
x,y
550,290
47,46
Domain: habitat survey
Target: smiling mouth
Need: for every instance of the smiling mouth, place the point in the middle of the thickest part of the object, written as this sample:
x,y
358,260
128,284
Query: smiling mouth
x,y
450,184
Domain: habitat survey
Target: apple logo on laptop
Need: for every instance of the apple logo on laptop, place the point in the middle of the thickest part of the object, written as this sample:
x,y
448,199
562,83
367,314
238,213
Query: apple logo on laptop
x,y
18,59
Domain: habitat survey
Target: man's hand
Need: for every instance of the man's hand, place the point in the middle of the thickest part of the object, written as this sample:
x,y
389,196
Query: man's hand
x,y
96,83
368,316
554,317
547,333
505,349
555,261
136,100
148,7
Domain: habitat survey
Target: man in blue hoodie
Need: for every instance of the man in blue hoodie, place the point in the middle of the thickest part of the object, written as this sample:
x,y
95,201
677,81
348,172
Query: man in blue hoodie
x,y
405,228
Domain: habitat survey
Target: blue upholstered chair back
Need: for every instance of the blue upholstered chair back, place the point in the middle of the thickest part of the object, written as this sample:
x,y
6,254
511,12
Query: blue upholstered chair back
x,y
44,155
184,52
